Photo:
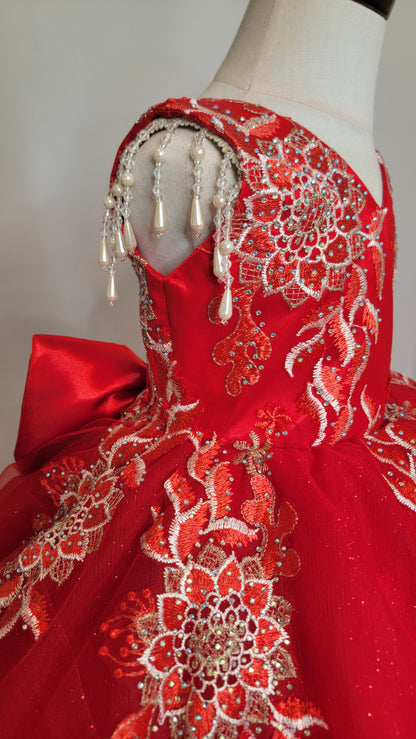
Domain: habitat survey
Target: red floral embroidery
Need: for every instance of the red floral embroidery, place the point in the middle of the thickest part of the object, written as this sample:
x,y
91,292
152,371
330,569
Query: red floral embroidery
x,y
302,230
85,498
337,337
394,444
212,653
298,231
245,348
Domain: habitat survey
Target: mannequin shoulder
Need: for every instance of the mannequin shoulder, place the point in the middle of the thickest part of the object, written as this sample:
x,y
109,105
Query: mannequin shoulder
x,y
175,183
177,170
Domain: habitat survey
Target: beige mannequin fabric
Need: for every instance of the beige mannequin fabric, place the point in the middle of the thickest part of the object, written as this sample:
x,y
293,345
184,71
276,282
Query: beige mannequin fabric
x,y
315,61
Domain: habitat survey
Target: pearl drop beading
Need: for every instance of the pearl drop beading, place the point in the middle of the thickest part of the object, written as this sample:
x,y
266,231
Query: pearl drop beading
x,y
159,157
223,202
197,154
118,240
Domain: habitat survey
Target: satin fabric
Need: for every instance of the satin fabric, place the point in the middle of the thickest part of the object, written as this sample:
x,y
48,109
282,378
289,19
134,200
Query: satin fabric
x,y
70,383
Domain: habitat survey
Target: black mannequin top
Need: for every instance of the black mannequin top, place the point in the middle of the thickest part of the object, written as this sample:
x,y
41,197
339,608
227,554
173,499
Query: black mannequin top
x,y
383,7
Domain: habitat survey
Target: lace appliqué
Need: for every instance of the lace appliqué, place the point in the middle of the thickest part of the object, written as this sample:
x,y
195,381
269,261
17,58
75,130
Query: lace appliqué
x,y
298,232
85,498
212,653
394,444
337,339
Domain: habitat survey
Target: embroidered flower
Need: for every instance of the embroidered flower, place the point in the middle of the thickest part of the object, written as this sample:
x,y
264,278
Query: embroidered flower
x,y
393,444
395,412
85,500
217,644
273,419
210,648
218,652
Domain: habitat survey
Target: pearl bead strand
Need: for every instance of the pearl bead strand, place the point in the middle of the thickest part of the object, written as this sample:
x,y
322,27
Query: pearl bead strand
x,y
224,246
159,156
122,239
197,154
117,235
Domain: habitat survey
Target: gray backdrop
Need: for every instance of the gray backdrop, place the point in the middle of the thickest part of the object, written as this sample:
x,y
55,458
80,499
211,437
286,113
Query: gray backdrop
x,y
74,77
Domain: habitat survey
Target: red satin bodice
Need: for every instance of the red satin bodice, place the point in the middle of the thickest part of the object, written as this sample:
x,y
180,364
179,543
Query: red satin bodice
x,y
312,291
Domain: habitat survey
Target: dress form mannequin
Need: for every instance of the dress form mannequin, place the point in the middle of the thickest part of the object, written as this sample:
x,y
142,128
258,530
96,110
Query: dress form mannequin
x,y
286,56
383,7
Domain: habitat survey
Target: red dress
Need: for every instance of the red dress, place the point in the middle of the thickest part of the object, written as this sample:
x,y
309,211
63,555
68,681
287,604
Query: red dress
x,y
223,543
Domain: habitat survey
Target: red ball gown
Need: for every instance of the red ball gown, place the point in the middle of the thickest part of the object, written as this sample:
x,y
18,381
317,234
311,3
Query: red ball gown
x,y
222,543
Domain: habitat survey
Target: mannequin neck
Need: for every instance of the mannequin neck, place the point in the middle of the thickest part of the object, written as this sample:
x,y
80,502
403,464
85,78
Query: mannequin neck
x,y
384,7
289,50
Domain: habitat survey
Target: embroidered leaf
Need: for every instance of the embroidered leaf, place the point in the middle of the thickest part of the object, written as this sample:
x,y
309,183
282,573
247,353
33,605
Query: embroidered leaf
x,y
278,560
329,386
354,290
302,711
35,614
229,578
256,511
369,407
314,408
303,351
232,531
179,492
203,458
343,338
341,425
370,318
219,483
245,348
185,530
377,256
9,617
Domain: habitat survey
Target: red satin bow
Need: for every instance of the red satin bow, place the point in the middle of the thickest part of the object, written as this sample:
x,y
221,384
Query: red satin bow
x,y
70,383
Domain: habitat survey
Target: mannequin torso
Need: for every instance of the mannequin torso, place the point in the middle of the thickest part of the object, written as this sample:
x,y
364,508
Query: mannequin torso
x,y
286,57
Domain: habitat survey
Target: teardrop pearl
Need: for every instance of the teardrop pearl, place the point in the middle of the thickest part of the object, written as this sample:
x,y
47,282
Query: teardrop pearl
x,y
129,237
197,222
225,310
218,266
159,224
112,294
120,246
104,258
